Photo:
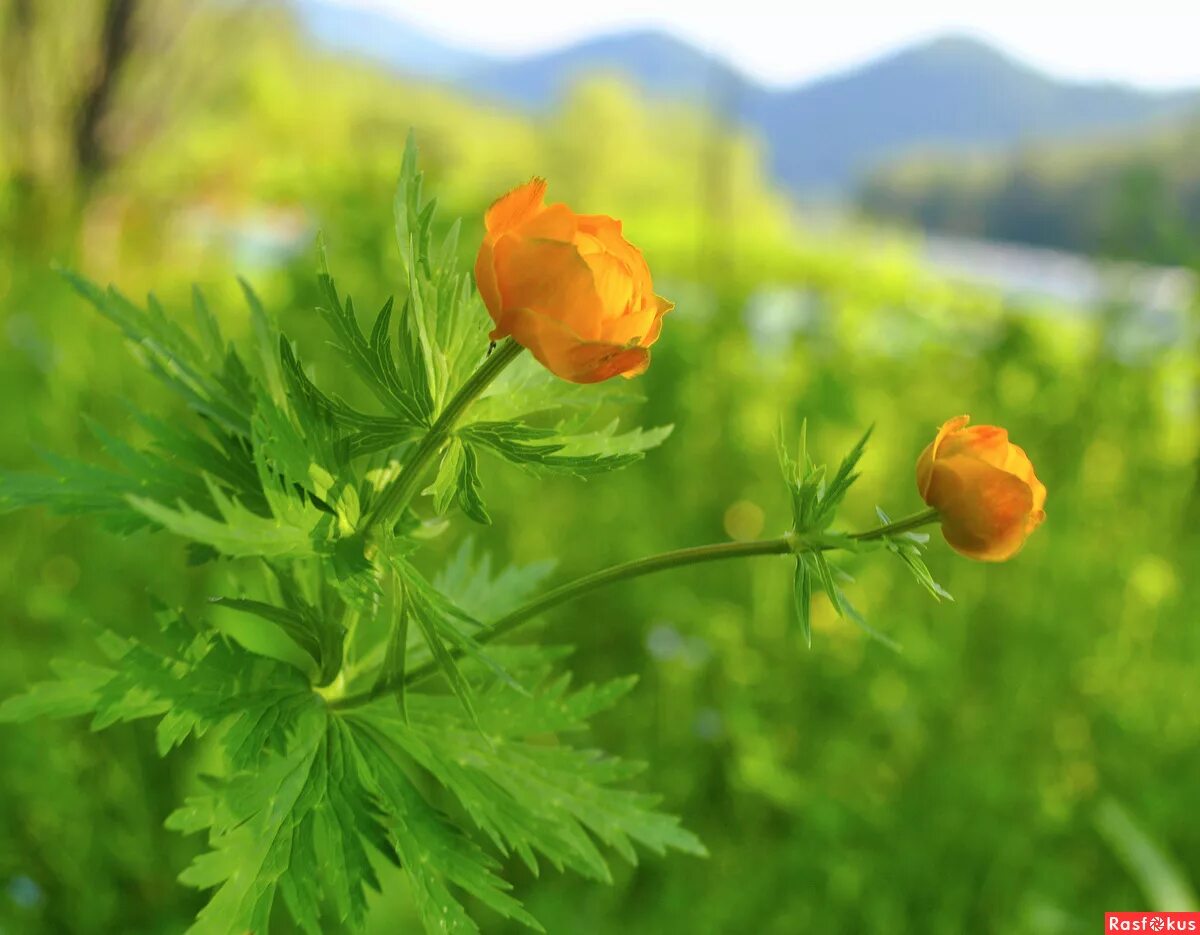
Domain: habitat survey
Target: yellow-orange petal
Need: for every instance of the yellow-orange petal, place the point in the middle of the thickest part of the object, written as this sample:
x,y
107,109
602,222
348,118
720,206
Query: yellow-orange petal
x,y
550,278
485,281
928,456
608,232
662,306
984,511
614,284
988,443
566,355
631,329
1018,464
552,222
515,207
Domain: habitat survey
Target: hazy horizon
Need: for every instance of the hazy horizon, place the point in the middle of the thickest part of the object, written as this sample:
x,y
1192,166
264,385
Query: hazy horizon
x,y
764,45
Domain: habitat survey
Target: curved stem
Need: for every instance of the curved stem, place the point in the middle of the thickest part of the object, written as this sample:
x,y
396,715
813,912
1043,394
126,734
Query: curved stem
x,y
908,524
791,544
399,494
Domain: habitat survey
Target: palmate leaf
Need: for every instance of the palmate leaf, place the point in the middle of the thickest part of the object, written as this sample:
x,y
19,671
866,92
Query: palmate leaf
x,y
209,377
403,391
469,581
254,819
75,488
446,322
239,532
527,391
302,824
447,632
363,434
527,796
193,681
170,471
458,483
435,854
549,450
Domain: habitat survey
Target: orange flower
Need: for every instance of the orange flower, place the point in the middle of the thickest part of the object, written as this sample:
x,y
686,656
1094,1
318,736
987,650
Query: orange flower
x,y
984,489
567,286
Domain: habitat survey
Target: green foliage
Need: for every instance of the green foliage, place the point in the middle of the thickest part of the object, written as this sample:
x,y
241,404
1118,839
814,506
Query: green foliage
x,y
273,476
1057,681
1129,197
815,499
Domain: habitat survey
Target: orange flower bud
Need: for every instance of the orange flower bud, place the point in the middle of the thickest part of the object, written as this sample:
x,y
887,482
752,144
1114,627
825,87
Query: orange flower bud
x,y
567,286
984,489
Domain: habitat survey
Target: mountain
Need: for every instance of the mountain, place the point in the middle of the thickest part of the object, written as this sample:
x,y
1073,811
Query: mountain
x,y
950,92
385,39
953,92
656,62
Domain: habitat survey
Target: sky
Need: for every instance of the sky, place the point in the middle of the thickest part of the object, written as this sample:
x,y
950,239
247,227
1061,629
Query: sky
x,y
779,42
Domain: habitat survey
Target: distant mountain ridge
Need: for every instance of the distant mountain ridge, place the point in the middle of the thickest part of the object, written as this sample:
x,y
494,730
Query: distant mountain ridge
x,y
823,135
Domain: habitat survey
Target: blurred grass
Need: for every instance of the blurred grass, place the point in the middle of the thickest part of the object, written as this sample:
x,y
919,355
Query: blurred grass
x,y
952,787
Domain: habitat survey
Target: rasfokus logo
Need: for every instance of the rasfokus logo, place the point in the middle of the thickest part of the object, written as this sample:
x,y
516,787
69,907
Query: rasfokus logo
x,y
1152,922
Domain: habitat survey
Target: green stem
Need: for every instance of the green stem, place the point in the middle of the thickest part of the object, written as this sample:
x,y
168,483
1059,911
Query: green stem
x,y
791,544
399,494
908,524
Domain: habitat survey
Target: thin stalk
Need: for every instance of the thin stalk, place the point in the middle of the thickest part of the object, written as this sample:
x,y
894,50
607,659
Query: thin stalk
x,y
399,494
908,524
791,544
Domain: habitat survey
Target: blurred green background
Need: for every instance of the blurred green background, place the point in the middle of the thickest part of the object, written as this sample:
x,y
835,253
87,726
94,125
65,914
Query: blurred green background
x,y
1029,759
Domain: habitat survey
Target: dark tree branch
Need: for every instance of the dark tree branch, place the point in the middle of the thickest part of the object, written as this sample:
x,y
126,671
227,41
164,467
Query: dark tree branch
x,y
115,45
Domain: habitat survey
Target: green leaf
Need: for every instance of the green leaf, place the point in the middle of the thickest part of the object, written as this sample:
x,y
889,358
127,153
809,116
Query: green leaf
x,y
403,393
364,434
819,564
527,389
457,482
210,378
835,491
815,500
527,796
468,495
294,531
435,854
470,583
395,659
445,485
907,547
441,634
861,622
168,474
580,454
444,333
802,594
194,681
76,691
296,825
299,627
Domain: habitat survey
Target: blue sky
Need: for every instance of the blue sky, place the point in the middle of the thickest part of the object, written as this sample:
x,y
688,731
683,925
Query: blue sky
x,y
1153,43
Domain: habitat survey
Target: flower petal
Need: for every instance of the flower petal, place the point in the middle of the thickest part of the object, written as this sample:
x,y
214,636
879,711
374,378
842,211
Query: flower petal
x,y
988,443
929,455
518,206
548,277
485,282
613,283
564,354
984,511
